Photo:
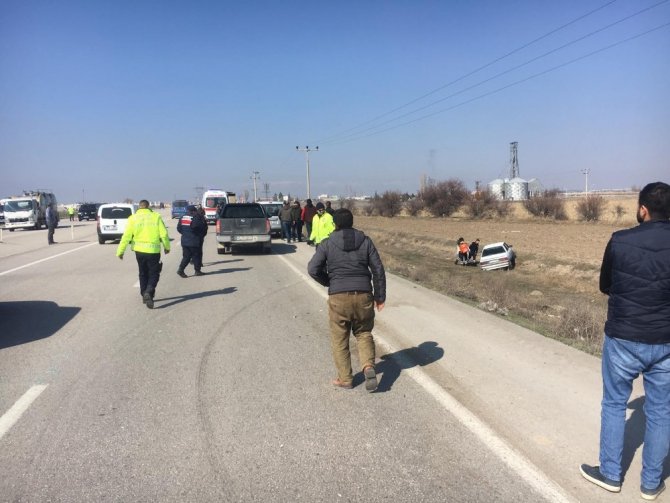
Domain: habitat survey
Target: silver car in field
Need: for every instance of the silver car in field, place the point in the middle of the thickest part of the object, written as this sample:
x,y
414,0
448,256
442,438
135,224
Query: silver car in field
x,y
498,256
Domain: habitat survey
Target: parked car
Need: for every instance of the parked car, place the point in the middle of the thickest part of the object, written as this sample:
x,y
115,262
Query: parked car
x,y
179,208
498,256
88,211
242,225
272,211
112,220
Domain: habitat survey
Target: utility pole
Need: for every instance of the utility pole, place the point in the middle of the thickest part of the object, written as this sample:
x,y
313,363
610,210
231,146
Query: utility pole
x,y
266,189
255,175
585,172
307,150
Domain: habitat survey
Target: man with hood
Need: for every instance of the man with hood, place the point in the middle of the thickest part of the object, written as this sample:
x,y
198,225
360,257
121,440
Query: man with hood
x,y
192,228
348,263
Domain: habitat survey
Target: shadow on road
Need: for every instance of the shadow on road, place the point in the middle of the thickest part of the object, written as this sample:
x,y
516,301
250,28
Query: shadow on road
x,y
393,363
208,264
26,321
183,298
226,271
634,437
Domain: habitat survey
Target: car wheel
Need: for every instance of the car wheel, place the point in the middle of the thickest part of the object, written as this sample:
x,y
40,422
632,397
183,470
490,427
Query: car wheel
x,y
101,240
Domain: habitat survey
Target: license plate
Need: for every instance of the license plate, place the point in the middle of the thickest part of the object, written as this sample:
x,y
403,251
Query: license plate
x,y
244,238
109,227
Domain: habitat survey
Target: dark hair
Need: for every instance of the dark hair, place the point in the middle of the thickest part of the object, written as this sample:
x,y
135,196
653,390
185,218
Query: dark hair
x,y
144,203
656,198
343,218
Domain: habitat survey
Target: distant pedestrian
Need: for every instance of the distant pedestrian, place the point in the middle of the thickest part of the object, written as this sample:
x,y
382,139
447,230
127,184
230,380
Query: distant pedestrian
x,y
192,227
463,251
307,215
474,250
296,221
70,213
51,217
346,263
145,232
635,273
202,213
329,208
285,219
322,224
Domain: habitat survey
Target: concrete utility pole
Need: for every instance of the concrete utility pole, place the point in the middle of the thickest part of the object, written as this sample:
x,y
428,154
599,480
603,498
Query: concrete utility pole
x,y
307,150
585,172
255,175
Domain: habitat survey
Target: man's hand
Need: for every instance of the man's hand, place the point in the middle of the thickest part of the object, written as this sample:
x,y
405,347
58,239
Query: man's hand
x,y
167,251
380,305
121,257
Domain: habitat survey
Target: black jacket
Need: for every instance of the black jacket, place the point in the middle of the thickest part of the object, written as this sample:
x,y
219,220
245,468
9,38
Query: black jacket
x,y
635,273
192,229
347,261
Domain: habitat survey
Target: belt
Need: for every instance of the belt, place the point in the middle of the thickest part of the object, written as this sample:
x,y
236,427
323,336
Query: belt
x,y
355,293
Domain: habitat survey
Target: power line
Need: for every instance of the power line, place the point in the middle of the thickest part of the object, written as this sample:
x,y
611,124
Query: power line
x,y
532,60
476,70
495,91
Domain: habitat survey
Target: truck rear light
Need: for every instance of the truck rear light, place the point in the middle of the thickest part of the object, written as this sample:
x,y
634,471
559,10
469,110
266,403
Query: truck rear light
x,y
218,227
267,225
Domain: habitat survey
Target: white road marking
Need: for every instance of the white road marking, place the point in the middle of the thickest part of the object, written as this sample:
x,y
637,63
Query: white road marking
x,y
10,417
516,461
45,259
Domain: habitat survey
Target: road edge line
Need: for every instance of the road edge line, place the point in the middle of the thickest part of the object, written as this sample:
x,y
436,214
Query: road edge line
x,y
10,417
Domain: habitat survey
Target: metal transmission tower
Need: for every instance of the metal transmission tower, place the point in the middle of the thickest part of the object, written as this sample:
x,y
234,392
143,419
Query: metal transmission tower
x,y
266,190
255,175
513,160
307,150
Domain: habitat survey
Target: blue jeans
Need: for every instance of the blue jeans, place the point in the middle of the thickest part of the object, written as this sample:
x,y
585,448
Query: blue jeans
x,y
622,362
286,229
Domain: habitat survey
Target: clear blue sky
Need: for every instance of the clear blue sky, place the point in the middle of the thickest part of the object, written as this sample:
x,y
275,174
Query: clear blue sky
x,y
149,99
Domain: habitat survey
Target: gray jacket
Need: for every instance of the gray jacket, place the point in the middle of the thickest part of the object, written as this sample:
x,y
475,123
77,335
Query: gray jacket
x,y
347,261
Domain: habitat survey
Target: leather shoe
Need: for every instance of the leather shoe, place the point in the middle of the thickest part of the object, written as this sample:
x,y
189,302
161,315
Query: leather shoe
x,y
342,384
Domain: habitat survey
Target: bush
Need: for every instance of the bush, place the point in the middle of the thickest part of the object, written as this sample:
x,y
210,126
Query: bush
x,y
348,204
389,204
414,206
591,208
483,204
444,198
619,211
547,204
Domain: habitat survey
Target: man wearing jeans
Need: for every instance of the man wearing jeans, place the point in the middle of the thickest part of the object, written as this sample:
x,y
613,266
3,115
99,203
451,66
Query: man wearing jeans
x,y
345,262
635,273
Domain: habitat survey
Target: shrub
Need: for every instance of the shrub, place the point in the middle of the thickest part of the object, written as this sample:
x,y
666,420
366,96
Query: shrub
x,y
482,204
619,211
591,208
349,204
414,206
547,204
389,204
444,198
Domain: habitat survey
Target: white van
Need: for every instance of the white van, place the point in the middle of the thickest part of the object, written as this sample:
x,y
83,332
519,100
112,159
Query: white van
x,y
112,219
212,199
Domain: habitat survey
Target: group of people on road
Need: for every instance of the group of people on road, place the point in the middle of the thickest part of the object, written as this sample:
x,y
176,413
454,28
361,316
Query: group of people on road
x,y
317,220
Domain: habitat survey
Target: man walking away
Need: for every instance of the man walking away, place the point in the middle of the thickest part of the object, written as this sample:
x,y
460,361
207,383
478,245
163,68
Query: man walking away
x,y
306,216
346,263
296,221
52,222
635,273
145,231
192,228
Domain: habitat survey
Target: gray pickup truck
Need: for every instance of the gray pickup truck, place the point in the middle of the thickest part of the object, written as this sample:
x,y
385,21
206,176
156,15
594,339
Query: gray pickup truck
x,y
242,225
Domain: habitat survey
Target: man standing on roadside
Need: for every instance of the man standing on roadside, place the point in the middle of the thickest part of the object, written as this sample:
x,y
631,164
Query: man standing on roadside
x,y
51,217
346,263
322,225
146,231
192,228
635,273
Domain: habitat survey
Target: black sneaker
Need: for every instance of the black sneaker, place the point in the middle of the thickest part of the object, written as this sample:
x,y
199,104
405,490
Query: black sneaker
x,y
652,494
148,300
199,273
592,474
182,274
370,378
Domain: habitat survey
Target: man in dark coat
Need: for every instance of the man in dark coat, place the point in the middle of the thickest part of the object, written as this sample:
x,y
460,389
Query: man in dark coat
x,y
192,228
348,263
635,273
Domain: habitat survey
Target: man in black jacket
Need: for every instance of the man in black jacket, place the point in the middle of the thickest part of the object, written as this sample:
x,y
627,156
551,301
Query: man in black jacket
x,y
347,263
192,228
635,273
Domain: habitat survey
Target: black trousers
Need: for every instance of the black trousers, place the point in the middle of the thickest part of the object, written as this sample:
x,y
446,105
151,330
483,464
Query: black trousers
x,y
50,233
149,265
191,253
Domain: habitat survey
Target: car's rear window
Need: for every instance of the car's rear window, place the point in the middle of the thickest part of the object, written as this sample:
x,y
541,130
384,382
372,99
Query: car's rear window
x,y
116,212
87,207
180,204
251,211
272,210
493,251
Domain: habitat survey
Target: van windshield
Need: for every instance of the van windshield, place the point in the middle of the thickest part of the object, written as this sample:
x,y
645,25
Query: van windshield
x,y
214,202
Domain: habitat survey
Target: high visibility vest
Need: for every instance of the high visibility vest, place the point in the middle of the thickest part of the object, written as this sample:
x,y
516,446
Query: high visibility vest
x,y
145,231
322,226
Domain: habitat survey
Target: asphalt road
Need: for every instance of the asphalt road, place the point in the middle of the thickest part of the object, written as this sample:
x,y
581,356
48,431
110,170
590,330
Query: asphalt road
x,y
222,392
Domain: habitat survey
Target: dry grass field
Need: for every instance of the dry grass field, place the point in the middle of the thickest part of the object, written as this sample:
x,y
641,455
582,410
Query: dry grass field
x,y
553,289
